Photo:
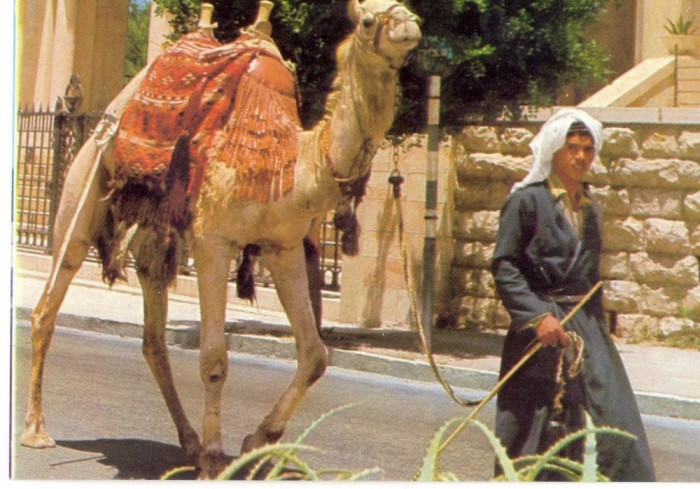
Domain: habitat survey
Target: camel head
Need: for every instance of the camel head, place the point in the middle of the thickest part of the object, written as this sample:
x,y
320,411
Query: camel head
x,y
386,27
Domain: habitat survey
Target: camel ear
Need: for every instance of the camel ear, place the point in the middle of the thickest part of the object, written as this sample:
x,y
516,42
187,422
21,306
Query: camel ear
x,y
354,11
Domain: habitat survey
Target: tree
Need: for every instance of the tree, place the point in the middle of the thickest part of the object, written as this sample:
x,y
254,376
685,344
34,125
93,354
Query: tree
x,y
501,54
136,38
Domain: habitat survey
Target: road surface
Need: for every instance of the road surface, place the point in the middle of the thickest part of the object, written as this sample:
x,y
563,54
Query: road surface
x,y
110,422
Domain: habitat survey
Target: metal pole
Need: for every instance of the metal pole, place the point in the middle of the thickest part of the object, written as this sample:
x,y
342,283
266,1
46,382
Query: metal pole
x,y
428,289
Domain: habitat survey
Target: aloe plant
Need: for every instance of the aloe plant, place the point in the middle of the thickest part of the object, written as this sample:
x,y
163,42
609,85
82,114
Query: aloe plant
x,y
283,461
681,26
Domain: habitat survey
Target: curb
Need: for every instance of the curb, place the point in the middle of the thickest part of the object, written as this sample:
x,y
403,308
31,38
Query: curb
x,y
459,377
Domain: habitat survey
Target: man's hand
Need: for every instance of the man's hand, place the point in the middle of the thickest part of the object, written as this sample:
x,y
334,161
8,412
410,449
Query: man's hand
x,y
550,332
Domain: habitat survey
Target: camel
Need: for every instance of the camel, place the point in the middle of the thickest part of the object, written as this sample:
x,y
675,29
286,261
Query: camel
x,y
333,159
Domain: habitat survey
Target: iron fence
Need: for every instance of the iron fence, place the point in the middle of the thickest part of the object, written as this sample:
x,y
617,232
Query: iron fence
x,y
47,142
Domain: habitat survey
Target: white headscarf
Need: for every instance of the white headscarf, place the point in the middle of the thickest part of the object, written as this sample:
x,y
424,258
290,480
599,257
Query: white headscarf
x,y
551,139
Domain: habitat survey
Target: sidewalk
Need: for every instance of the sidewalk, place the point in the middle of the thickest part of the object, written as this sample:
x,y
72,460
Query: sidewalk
x,y
665,380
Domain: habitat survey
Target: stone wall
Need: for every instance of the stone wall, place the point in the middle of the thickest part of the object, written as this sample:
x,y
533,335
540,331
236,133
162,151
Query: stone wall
x,y
647,180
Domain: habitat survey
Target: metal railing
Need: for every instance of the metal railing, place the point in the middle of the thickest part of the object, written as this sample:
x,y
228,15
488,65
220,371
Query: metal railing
x,y
47,142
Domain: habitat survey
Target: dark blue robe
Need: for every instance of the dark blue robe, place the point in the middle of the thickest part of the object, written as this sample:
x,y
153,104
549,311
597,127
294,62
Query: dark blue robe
x,y
539,258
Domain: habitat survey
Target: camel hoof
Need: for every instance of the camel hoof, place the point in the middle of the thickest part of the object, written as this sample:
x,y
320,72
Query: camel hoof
x,y
36,439
248,444
212,463
192,450
192,456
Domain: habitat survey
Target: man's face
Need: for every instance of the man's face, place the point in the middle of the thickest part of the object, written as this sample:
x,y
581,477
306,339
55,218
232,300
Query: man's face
x,y
572,162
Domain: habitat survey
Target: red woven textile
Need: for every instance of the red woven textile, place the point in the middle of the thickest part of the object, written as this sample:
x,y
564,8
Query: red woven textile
x,y
236,102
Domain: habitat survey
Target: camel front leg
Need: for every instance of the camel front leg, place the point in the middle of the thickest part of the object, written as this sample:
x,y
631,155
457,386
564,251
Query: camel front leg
x,y
288,271
212,256
155,351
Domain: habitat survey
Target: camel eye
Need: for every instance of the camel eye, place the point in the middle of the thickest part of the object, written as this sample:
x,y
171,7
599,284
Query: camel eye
x,y
368,21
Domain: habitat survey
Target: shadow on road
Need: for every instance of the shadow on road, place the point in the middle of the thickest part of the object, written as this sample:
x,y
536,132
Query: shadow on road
x,y
132,458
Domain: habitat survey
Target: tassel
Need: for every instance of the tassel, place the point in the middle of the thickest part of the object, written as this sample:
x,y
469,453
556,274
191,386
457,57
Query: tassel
x,y
245,275
351,237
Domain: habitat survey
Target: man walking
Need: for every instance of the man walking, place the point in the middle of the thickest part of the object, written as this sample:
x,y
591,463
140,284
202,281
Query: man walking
x,y
546,258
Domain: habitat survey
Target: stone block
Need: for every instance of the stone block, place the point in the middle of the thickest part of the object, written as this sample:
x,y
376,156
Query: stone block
x,y
622,296
516,140
677,270
623,235
619,142
614,201
690,305
667,204
493,166
475,282
477,225
689,145
484,309
673,173
473,254
598,174
615,266
691,207
481,195
668,237
481,313
671,324
635,327
659,301
695,240
480,139
658,145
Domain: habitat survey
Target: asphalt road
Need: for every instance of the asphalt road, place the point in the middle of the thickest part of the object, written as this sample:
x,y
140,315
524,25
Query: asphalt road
x,y
109,421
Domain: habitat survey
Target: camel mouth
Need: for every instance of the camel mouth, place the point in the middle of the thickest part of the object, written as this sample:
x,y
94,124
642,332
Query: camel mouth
x,y
409,35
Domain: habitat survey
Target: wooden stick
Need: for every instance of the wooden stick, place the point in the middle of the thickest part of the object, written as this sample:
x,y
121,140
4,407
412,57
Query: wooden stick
x,y
535,348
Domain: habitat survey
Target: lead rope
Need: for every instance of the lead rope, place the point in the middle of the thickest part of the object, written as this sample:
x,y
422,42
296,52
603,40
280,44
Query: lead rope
x,y
396,179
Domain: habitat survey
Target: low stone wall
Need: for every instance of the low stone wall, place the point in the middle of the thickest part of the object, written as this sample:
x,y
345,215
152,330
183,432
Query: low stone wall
x,y
647,180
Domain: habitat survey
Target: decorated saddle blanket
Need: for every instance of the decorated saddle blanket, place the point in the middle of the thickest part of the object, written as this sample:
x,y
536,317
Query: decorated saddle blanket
x,y
235,104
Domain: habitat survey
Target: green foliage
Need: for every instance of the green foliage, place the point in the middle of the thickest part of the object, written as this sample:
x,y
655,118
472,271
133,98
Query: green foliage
x,y
282,461
681,26
136,38
430,470
503,54
686,338
528,468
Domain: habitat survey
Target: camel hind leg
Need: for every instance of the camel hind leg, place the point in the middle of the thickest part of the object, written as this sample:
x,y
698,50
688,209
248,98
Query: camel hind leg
x,y
71,246
43,321
288,271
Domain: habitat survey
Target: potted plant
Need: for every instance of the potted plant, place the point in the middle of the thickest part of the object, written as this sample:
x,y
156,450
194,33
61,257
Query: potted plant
x,y
681,38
